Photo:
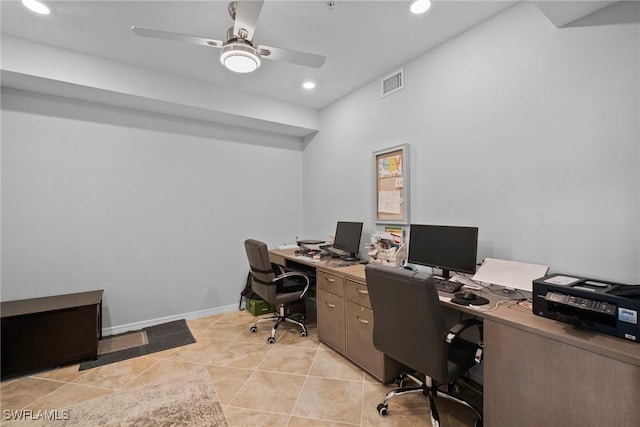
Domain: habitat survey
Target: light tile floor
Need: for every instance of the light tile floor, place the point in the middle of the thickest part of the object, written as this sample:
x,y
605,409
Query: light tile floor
x,y
295,382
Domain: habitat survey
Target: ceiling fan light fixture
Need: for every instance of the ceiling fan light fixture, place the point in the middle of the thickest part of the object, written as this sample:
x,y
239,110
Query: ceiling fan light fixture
x,y
240,57
37,6
420,6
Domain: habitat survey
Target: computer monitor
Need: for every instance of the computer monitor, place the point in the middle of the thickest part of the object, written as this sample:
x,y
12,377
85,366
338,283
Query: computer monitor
x,y
445,247
348,237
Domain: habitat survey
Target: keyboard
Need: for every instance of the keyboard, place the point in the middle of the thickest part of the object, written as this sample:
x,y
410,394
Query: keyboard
x,y
447,286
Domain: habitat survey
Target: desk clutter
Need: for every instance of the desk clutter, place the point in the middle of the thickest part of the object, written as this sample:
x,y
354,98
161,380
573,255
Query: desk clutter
x,y
311,248
387,247
345,245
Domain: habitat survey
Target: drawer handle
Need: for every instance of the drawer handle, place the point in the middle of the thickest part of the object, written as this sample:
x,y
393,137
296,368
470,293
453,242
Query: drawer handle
x,y
329,280
330,305
363,291
366,322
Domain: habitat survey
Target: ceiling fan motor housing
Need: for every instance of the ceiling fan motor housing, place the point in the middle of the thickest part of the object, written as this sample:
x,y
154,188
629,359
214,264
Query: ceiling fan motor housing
x,y
238,53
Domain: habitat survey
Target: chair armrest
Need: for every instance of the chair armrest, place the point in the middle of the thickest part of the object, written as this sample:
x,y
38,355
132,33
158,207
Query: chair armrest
x,y
458,328
294,274
279,268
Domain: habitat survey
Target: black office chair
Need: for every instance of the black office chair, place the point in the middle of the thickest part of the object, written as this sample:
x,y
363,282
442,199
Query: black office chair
x,y
409,327
275,286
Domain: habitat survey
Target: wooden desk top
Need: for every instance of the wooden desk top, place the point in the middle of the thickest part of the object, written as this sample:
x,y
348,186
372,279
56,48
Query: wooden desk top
x,y
508,313
332,265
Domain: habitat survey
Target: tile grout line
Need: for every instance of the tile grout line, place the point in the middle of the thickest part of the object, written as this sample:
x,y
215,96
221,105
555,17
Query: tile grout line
x,y
250,376
306,378
64,384
241,338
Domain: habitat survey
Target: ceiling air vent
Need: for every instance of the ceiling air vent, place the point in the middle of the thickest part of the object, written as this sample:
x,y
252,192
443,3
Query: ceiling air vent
x,y
392,83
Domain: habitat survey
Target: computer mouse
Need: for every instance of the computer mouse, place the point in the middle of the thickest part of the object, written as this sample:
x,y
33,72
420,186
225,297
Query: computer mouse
x,y
469,295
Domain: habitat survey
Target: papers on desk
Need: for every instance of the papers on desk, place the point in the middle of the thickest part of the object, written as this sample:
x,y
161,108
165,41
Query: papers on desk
x,y
287,246
512,274
445,299
562,280
308,259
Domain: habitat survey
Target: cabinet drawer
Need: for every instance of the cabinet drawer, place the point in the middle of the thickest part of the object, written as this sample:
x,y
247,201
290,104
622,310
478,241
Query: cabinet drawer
x,y
358,293
331,325
360,346
331,283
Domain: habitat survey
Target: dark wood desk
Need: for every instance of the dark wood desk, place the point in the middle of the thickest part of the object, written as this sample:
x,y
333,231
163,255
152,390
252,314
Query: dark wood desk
x,y
49,331
537,371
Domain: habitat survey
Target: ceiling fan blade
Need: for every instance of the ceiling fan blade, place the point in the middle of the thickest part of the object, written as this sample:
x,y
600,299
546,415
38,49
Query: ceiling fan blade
x,y
292,56
247,13
168,35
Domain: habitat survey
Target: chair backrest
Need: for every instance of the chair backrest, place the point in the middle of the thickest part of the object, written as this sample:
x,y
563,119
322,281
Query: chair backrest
x,y
261,270
408,322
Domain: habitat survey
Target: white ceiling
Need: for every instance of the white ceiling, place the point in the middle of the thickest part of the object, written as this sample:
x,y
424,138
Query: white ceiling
x,y
362,40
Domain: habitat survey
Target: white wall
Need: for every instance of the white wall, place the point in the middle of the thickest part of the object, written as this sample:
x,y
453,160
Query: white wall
x,y
525,130
47,69
150,209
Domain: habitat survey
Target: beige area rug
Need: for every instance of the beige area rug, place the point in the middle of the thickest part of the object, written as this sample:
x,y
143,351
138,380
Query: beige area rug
x,y
122,342
188,400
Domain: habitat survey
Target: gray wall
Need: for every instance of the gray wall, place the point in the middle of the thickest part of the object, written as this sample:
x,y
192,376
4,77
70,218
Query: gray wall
x,y
528,131
154,211
525,130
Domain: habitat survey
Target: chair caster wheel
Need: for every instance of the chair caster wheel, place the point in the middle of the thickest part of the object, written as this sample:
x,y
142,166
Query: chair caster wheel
x,y
253,329
303,334
383,409
271,340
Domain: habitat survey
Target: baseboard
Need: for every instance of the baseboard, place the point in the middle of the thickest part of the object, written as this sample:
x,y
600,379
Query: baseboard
x,y
135,326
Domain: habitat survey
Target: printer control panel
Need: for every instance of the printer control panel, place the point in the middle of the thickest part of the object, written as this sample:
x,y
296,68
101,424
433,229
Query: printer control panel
x,y
602,307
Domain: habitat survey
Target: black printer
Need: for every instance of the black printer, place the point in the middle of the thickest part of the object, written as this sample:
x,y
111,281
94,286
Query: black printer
x,y
607,307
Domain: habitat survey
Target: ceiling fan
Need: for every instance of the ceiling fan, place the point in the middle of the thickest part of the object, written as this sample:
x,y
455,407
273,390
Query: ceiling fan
x,y
238,53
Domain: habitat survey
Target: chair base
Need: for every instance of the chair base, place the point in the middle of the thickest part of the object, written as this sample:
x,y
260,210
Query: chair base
x,y
278,318
430,389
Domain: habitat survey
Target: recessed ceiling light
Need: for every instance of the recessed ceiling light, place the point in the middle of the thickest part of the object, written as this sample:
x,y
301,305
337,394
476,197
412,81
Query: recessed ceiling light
x,y
37,6
309,85
420,6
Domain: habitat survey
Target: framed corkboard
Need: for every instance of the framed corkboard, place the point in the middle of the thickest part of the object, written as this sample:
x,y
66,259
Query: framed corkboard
x,y
391,172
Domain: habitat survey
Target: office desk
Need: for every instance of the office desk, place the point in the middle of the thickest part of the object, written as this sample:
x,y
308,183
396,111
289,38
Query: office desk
x,y
344,316
537,371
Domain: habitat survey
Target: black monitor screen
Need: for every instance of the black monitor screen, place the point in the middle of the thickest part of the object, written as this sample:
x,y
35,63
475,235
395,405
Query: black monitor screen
x,y
444,247
348,236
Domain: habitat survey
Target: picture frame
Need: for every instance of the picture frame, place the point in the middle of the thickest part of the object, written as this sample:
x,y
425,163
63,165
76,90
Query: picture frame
x,y
391,185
